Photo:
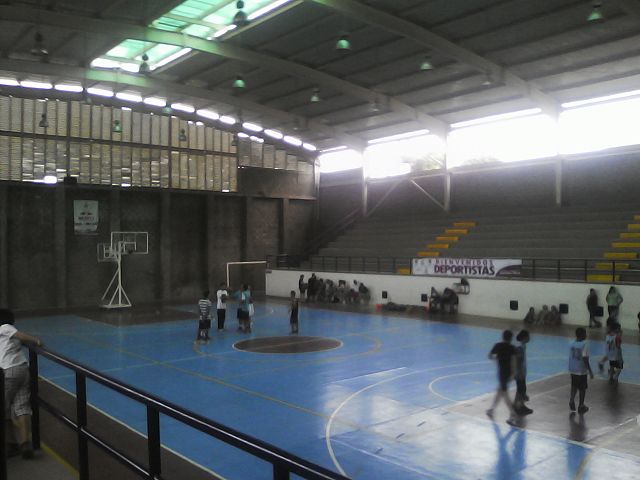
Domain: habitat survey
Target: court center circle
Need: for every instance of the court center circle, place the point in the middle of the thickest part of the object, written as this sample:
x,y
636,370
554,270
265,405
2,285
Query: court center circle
x,y
288,344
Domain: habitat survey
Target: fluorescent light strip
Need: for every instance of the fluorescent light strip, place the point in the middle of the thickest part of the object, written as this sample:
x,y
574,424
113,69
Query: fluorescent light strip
x,y
170,58
35,84
101,92
399,136
267,9
129,97
606,98
273,133
252,127
50,179
308,146
496,118
210,114
224,30
228,120
183,107
292,140
9,82
155,101
68,87
334,149
243,135
256,139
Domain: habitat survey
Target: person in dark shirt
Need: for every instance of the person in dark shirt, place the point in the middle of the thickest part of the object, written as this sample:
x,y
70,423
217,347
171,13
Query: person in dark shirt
x,y
505,354
592,306
293,312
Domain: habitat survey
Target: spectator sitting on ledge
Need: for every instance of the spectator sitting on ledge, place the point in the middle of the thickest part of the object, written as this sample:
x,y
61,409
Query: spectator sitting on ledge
x,y
530,318
541,319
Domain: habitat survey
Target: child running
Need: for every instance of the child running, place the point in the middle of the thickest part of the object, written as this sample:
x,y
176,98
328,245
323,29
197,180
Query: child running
x,y
521,374
578,368
204,322
293,312
504,353
613,352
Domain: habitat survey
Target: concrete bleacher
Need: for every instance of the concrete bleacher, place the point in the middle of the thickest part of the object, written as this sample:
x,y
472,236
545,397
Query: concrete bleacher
x,y
544,233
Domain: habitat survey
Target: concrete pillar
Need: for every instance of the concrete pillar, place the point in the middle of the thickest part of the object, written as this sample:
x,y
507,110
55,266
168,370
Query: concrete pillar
x,y
559,172
114,211
210,250
165,245
60,245
246,228
283,238
447,192
4,246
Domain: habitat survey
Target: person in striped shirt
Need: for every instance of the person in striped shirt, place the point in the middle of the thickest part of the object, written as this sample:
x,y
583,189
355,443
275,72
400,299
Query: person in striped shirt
x,y
204,322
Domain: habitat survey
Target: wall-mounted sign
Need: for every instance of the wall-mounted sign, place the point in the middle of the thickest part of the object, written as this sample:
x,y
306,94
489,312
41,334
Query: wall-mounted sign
x,y
85,217
466,267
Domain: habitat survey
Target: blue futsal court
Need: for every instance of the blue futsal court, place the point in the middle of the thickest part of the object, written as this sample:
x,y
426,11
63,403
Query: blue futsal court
x,y
400,398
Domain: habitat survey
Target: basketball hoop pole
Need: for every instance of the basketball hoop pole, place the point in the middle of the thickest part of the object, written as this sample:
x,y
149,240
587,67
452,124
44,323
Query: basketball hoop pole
x,y
122,300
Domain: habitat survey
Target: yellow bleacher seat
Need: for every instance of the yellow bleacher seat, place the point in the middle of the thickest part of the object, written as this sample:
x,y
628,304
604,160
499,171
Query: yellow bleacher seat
x,y
625,244
603,278
403,271
633,226
453,231
621,255
626,235
428,254
464,224
609,266
438,245
450,239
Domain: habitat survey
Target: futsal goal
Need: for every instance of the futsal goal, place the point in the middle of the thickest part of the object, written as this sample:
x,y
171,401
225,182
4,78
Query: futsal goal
x,y
252,273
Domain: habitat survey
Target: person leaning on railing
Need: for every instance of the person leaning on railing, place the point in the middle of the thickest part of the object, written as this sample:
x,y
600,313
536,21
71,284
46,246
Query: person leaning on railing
x,y
16,385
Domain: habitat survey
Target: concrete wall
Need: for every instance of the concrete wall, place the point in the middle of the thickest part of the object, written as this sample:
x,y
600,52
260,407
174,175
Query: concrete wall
x,y
487,297
192,235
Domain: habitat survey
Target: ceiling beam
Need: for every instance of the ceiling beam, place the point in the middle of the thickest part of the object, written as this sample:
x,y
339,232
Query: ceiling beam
x,y
404,28
630,7
222,49
67,72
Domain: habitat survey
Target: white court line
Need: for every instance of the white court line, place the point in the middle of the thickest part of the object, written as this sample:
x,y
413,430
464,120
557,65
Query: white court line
x,y
369,387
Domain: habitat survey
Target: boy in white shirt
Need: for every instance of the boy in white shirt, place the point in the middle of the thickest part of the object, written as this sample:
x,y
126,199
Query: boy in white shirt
x,y
222,294
204,322
578,368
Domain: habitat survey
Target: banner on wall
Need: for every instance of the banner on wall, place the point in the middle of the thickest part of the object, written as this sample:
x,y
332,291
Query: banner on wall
x,y
466,267
85,217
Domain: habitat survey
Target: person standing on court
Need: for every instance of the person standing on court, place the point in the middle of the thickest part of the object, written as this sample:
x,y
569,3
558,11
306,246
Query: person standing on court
x,y
302,287
244,297
614,299
16,384
578,368
294,308
592,306
521,374
204,322
505,354
221,305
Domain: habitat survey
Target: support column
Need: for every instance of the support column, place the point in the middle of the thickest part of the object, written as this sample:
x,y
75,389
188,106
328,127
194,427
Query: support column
x,y
246,229
365,190
559,171
210,250
447,192
60,245
114,211
4,246
283,238
165,246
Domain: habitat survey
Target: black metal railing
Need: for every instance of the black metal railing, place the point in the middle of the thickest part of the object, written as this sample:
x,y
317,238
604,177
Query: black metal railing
x,y
548,269
283,463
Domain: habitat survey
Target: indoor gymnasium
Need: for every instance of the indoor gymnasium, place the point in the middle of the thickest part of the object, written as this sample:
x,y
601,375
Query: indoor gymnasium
x,y
319,239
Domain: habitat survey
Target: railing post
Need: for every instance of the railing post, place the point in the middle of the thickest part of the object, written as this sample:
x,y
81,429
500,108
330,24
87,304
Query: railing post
x,y
533,268
81,413
280,473
35,400
3,440
393,265
153,443
377,264
586,269
613,276
350,269
559,275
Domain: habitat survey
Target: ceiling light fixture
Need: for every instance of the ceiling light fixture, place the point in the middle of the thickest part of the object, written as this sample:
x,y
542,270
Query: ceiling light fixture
x,y
228,120
240,18
239,83
116,127
9,82
243,135
315,96
144,66
39,50
155,102
274,133
343,44
426,64
310,147
68,87
129,97
183,135
252,127
36,84
292,140
211,115
101,92
183,107
596,13
50,179
44,123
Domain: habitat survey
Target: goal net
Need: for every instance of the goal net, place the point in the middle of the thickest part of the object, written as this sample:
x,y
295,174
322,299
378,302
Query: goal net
x,y
251,273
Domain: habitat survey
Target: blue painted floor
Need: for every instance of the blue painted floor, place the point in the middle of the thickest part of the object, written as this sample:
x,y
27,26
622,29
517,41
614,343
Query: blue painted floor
x,y
381,406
